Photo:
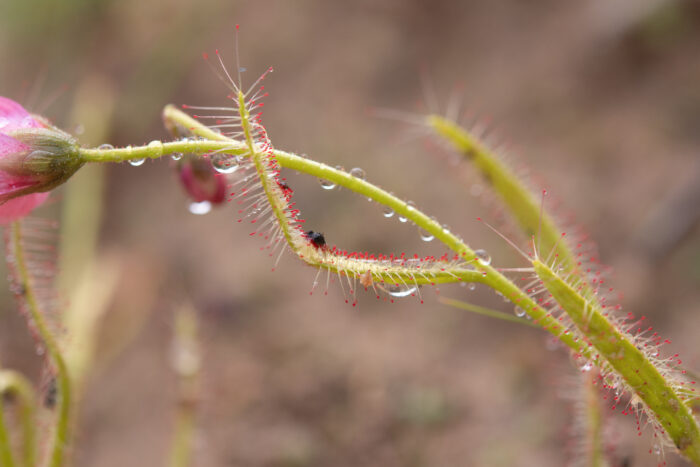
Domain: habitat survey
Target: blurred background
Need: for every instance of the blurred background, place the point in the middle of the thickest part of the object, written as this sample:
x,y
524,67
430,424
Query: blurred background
x,y
600,102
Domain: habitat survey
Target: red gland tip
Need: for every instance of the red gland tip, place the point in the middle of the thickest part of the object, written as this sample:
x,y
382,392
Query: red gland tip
x,y
479,219
238,26
205,56
185,106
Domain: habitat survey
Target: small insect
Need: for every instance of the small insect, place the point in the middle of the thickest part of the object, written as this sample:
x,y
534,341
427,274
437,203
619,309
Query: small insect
x,y
283,185
316,238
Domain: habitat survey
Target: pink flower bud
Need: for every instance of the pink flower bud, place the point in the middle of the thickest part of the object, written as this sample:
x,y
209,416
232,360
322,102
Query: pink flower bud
x,y
35,157
201,181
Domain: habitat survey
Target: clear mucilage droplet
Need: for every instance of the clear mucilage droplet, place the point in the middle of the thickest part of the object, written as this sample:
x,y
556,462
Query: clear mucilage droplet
x,y
483,257
200,208
326,184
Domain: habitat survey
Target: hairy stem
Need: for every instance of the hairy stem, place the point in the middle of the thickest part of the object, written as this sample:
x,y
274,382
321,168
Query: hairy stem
x,y
219,143
61,435
526,209
629,362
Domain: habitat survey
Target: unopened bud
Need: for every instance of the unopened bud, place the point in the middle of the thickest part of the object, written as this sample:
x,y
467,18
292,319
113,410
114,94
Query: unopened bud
x,y
35,157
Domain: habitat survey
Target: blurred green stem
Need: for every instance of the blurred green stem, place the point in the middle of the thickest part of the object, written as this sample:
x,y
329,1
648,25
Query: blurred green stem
x,y
20,389
61,435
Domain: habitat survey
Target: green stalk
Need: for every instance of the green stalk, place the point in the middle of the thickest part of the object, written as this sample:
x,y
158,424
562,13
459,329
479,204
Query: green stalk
x,y
620,353
6,457
16,385
593,422
217,142
220,143
61,435
526,209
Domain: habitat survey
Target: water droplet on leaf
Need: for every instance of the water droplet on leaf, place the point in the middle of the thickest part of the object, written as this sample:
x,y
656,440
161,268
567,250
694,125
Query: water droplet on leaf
x,y
176,156
137,162
105,147
519,312
387,212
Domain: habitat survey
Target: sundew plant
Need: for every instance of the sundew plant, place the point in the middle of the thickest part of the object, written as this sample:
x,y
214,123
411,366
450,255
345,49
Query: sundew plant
x,y
225,159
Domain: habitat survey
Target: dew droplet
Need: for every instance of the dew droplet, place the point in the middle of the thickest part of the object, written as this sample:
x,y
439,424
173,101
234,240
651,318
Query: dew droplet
x,y
224,163
137,162
200,208
446,229
483,257
519,312
176,156
326,184
358,173
387,212
657,449
105,147
401,290
472,286
425,236
587,366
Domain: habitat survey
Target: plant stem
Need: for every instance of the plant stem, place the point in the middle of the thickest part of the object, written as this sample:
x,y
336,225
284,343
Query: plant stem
x,y
61,435
220,143
16,385
662,400
6,457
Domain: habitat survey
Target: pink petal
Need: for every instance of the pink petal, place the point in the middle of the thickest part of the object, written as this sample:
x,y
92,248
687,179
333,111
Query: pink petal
x,y
13,116
9,145
17,208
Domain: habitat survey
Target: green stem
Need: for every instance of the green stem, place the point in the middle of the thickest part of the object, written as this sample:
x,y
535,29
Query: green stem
x,y
217,142
17,386
61,434
485,273
594,421
621,354
526,209
480,310
6,457
186,362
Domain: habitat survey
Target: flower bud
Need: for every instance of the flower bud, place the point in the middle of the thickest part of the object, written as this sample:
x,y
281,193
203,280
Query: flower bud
x,y
201,181
35,157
